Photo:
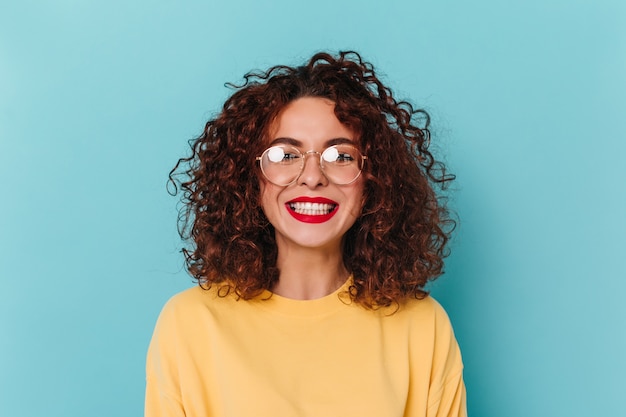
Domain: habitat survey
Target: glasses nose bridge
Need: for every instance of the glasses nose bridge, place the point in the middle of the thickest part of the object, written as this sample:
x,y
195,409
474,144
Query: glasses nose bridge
x,y
303,167
312,152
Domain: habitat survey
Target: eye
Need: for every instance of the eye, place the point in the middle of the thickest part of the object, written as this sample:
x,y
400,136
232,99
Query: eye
x,y
289,156
277,154
345,157
339,155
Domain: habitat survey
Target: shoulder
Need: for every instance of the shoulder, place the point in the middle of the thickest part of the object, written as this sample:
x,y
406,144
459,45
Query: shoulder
x,y
427,304
187,297
183,301
198,297
431,329
193,304
426,311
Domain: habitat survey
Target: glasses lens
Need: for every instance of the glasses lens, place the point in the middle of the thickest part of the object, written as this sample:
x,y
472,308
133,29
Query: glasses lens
x,y
342,164
281,165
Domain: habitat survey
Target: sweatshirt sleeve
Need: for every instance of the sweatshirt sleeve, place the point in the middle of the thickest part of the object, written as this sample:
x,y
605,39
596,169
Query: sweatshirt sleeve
x,y
162,382
451,401
447,389
159,403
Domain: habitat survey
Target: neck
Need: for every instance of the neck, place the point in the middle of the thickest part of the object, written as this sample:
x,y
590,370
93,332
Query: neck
x,y
307,274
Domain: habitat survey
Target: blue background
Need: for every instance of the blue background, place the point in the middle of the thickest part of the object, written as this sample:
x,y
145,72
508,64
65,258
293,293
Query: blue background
x,y
528,98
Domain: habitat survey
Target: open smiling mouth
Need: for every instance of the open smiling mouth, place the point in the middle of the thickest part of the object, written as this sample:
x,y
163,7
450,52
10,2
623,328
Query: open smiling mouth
x,y
317,211
312,209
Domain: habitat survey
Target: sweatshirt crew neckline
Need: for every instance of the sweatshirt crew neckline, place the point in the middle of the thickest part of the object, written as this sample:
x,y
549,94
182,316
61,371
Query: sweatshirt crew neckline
x,y
303,308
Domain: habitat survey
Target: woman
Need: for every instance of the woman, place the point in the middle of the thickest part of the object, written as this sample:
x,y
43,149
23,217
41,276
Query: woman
x,y
311,208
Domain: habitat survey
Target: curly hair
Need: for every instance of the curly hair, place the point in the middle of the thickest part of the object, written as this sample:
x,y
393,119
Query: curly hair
x,y
394,248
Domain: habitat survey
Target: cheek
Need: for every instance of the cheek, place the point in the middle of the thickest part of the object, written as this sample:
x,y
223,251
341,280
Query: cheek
x,y
267,195
359,192
262,195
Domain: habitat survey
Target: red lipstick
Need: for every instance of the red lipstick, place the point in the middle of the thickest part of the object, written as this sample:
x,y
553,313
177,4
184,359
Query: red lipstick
x,y
312,209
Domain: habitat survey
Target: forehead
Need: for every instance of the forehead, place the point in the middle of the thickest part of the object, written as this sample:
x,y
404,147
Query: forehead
x,y
311,121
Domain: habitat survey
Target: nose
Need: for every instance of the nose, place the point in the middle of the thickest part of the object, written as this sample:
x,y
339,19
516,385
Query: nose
x,y
312,175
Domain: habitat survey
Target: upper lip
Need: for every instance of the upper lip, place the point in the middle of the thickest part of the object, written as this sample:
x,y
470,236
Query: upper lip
x,y
306,199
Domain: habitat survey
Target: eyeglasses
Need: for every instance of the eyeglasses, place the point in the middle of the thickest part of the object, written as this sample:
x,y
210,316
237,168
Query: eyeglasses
x,y
282,164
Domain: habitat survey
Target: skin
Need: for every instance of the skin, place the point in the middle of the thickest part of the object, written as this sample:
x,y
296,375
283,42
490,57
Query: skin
x,y
310,254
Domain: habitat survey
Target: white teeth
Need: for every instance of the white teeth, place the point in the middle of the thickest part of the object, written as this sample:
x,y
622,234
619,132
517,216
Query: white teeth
x,y
312,209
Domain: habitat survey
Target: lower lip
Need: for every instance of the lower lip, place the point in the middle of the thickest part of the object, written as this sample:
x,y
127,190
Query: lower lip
x,y
307,218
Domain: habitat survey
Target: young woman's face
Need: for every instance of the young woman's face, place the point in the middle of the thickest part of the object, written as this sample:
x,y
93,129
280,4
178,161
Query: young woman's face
x,y
311,212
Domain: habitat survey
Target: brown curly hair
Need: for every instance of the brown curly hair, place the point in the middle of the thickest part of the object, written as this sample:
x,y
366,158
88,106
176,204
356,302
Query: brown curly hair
x,y
394,248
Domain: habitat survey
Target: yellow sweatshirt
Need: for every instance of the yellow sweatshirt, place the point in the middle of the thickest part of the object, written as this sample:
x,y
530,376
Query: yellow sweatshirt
x,y
278,357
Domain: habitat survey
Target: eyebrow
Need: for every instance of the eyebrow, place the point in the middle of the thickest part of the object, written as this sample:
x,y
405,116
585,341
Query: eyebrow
x,y
297,143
